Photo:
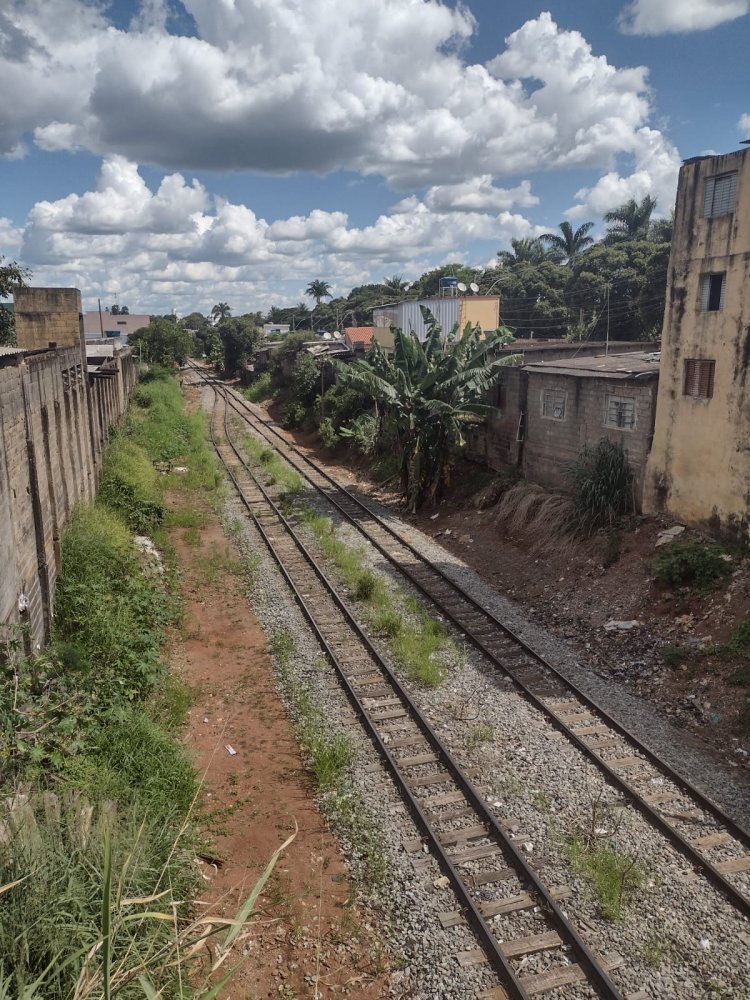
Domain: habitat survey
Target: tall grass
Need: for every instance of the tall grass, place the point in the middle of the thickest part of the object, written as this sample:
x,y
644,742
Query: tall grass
x,y
94,720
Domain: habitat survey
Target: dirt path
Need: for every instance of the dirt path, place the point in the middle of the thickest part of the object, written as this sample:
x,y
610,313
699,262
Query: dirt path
x,y
309,940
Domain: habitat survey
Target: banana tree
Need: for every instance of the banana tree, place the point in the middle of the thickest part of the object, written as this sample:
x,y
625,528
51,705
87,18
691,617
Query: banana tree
x,y
428,394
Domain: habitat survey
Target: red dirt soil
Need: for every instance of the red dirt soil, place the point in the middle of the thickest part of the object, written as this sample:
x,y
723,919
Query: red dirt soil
x,y
307,936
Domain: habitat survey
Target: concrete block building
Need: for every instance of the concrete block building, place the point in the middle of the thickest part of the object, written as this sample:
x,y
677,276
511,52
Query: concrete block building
x,y
699,467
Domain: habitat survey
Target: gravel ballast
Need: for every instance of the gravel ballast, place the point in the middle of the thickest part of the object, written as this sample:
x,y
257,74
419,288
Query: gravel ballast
x,y
678,935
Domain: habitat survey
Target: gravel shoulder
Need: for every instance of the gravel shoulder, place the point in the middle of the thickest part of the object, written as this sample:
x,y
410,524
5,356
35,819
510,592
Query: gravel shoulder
x,y
667,936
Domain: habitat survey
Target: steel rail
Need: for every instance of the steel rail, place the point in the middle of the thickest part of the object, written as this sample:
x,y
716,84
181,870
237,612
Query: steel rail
x,y
597,975
727,888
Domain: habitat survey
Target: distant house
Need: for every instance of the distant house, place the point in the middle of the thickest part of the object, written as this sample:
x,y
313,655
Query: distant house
x,y
106,326
551,408
699,468
276,329
358,338
447,310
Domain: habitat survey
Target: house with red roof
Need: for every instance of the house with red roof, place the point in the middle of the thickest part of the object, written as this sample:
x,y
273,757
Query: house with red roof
x,y
358,338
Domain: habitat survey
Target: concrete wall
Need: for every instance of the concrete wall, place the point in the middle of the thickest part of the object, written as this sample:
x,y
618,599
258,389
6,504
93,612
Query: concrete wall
x,y
48,316
699,469
481,309
551,443
54,422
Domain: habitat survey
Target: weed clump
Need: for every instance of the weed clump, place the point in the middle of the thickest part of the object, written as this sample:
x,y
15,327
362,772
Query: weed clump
x,y
695,564
673,654
601,483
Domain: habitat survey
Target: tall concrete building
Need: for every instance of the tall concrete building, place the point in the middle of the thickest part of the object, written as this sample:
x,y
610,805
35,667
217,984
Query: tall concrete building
x,y
699,466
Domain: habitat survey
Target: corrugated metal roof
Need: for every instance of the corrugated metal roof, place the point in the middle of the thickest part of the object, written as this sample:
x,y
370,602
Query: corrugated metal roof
x,y
601,366
4,351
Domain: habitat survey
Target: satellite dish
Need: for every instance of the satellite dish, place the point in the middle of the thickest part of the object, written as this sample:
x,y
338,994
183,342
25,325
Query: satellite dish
x,y
461,286
474,287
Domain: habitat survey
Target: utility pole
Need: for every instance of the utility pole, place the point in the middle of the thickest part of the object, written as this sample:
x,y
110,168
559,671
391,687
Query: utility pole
x,y
606,348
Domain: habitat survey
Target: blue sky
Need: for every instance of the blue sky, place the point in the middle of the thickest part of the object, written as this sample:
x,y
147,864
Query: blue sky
x,y
171,154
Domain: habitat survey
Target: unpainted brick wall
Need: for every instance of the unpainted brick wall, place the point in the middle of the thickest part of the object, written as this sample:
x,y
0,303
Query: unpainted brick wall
x,y
53,428
551,444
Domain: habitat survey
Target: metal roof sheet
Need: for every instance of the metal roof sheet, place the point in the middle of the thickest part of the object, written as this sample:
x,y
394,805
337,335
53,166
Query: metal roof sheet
x,y
620,366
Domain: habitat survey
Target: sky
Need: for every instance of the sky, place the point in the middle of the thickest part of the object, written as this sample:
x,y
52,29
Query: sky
x,y
170,154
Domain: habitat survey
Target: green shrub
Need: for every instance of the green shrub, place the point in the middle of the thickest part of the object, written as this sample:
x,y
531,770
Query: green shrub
x,y
52,919
363,433
293,416
260,390
601,483
329,437
739,641
690,564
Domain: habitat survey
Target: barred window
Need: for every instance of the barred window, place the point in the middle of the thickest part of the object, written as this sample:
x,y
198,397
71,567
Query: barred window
x,y
620,412
699,378
720,195
553,403
712,291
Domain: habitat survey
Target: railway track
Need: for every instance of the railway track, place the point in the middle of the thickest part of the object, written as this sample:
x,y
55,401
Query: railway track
x,y
716,845
480,854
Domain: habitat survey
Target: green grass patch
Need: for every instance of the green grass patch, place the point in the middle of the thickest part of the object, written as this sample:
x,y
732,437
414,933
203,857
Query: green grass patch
x,y
614,876
260,390
276,469
129,485
418,642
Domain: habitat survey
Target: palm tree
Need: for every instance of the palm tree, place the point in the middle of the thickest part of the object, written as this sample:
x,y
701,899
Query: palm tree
x,y
571,243
661,230
525,251
395,285
220,311
428,394
630,221
318,290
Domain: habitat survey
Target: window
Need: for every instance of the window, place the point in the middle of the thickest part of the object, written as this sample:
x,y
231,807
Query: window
x,y
501,397
720,195
620,412
712,292
553,403
699,378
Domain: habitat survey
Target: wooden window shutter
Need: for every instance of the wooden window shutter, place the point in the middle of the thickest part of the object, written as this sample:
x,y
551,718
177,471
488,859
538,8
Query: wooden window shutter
x,y
699,378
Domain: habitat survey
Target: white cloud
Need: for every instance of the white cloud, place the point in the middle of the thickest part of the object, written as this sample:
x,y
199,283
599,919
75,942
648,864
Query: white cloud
x,y
285,85
661,17
656,164
177,245
743,126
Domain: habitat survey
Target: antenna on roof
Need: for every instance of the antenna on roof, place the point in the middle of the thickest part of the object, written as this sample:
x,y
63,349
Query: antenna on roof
x,y
474,287
461,286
